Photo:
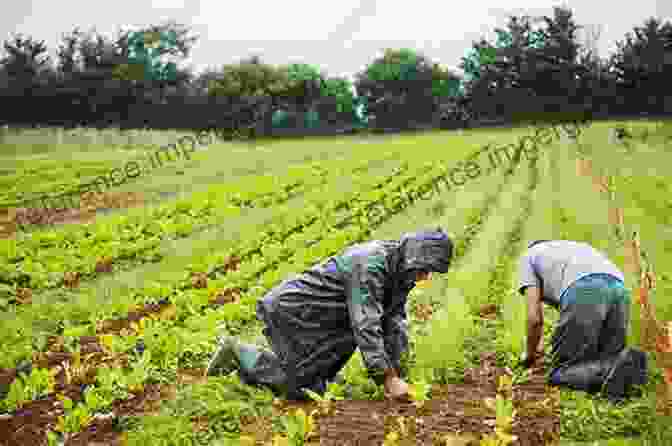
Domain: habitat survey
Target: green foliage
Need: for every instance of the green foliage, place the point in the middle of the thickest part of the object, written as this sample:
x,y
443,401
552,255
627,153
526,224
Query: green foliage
x,y
440,351
146,49
249,78
403,83
479,56
27,388
342,90
420,392
394,65
223,401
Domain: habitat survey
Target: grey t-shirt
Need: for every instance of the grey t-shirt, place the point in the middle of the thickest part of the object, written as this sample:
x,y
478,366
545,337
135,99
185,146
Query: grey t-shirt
x,y
555,265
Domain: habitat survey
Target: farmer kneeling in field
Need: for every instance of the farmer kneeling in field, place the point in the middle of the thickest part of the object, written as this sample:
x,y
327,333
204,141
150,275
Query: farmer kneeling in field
x,y
316,320
589,351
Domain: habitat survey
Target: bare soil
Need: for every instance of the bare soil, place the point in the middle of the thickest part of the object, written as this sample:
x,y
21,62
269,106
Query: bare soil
x,y
91,203
489,311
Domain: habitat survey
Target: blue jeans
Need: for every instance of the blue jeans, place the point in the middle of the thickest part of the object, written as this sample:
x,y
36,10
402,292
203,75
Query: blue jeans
x,y
605,286
592,330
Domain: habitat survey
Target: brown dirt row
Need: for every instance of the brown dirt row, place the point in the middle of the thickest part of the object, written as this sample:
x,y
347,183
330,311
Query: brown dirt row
x,y
456,410
91,203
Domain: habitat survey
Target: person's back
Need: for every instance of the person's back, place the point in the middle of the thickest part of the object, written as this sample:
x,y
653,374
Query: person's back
x,y
325,285
558,264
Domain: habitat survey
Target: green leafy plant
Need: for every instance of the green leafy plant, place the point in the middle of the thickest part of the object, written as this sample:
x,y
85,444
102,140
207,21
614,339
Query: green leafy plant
x,y
401,431
300,427
441,351
505,414
27,388
419,392
75,418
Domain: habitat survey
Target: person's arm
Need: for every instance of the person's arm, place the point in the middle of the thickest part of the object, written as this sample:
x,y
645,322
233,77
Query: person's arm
x,y
365,297
535,323
531,286
395,334
365,306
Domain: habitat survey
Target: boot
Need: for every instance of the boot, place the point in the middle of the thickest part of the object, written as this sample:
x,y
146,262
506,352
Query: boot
x,y
630,370
586,376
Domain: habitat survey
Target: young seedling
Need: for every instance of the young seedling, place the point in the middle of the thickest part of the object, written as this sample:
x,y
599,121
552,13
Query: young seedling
x,y
391,439
505,386
300,427
74,419
400,432
419,392
504,412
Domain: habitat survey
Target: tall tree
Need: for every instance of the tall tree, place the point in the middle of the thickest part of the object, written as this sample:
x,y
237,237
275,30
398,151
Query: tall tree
x,y
530,70
26,57
397,88
303,87
643,66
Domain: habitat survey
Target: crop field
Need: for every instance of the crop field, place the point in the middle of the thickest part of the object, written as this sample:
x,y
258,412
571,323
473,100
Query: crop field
x,y
110,311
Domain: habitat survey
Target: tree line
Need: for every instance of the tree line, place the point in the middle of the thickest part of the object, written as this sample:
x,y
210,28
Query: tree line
x,y
537,66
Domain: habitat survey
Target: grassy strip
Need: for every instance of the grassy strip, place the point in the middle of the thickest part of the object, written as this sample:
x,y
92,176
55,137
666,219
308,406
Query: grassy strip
x,y
439,347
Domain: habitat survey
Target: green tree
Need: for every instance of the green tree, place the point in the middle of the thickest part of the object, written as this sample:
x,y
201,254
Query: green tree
x,y
147,49
342,90
642,64
531,69
399,87
250,77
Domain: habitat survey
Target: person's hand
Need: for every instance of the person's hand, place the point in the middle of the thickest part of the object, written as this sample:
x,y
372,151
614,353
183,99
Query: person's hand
x,y
396,388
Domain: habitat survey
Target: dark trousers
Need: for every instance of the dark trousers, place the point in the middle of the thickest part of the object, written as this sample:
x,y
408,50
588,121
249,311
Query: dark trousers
x,y
591,332
298,359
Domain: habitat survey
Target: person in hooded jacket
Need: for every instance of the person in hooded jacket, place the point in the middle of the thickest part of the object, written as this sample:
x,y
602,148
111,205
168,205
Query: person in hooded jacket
x,y
315,321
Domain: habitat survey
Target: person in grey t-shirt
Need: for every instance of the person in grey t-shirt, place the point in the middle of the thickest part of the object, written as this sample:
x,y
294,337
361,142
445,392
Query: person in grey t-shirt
x,y
589,342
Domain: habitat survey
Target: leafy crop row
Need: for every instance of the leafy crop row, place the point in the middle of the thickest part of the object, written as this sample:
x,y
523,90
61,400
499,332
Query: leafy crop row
x,y
43,259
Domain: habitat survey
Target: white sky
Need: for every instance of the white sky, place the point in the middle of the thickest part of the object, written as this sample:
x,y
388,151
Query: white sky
x,y
340,38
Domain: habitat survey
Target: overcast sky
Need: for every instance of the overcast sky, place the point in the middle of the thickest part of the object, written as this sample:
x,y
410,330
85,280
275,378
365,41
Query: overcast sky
x,y
340,38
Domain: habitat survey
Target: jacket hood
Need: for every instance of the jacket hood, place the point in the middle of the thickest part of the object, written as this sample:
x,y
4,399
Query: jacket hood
x,y
429,250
